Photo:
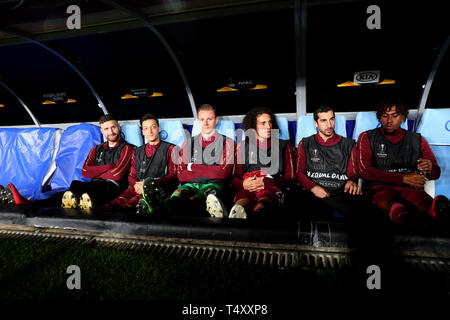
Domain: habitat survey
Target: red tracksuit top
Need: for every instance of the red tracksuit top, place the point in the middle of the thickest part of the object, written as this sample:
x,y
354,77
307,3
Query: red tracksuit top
x,y
369,172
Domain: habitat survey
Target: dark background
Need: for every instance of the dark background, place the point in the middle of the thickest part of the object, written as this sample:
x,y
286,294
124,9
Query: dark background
x,y
257,46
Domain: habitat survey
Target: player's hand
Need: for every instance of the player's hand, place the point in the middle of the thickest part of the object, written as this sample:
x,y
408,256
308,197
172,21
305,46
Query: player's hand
x,y
425,165
258,184
247,184
352,188
253,184
414,179
320,192
138,187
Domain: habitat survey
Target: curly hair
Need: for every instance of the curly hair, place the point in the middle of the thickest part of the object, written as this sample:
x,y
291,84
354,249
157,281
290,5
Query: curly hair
x,y
387,103
249,121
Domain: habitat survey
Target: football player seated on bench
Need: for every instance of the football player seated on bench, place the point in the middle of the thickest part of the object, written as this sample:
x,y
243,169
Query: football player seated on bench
x,y
107,164
327,169
205,166
264,167
395,164
152,175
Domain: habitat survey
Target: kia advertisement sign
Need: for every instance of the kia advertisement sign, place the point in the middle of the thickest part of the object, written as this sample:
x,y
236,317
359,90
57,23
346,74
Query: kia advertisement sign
x,y
362,77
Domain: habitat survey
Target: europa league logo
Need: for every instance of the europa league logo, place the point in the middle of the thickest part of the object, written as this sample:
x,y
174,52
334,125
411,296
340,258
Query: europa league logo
x,y
315,155
382,151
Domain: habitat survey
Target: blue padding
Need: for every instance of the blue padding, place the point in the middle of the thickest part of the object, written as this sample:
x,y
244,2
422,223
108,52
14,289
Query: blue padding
x,y
25,157
283,125
188,127
225,127
74,146
132,134
350,126
196,128
435,126
368,120
172,131
240,135
410,124
340,126
292,130
442,185
306,127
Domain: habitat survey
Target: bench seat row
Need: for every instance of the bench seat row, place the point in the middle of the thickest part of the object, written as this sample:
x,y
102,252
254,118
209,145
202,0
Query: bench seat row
x,y
43,161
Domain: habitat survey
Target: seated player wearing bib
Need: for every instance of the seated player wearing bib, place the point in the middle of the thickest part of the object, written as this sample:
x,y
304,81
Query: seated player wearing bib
x,y
327,167
205,166
152,174
395,164
264,167
107,165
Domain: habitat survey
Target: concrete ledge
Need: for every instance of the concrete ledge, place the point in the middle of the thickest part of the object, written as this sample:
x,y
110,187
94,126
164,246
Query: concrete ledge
x,y
433,238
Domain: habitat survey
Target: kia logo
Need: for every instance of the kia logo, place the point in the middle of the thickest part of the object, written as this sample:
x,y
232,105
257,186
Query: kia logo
x,y
366,76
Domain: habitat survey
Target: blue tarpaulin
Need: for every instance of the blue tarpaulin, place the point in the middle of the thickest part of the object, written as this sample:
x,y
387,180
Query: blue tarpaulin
x,y
25,156
76,142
